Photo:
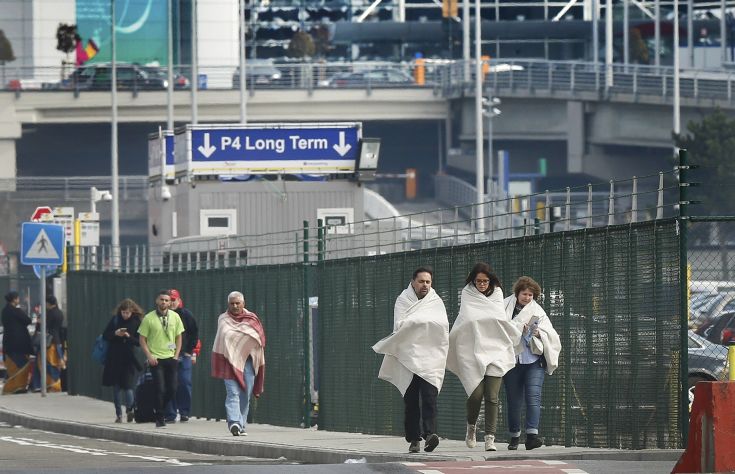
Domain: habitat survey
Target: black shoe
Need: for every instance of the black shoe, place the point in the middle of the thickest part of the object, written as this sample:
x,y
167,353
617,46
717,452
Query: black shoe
x,y
514,441
414,447
183,419
235,429
432,441
130,415
160,424
533,441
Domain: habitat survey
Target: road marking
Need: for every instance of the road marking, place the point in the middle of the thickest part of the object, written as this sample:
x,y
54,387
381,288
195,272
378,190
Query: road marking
x,y
89,451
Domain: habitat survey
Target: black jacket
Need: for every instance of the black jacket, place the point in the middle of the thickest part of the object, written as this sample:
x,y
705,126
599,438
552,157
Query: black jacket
x,y
124,355
16,339
191,331
54,321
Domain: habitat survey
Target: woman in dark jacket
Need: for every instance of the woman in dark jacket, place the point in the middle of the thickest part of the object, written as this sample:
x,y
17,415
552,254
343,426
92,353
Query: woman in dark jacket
x,y
17,345
122,366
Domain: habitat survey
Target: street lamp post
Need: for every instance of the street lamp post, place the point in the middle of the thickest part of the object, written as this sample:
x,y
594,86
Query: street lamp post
x,y
479,168
489,111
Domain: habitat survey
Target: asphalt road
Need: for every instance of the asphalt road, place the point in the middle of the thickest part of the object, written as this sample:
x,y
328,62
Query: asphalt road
x,y
27,450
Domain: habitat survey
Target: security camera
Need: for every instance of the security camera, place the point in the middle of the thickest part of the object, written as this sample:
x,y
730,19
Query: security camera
x,y
106,196
165,193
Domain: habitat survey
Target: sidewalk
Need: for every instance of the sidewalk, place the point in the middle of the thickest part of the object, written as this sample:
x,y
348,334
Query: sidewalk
x,y
93,418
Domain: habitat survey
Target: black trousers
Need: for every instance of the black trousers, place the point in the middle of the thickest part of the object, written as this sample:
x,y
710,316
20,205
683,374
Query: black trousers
x,y
420,409
165,379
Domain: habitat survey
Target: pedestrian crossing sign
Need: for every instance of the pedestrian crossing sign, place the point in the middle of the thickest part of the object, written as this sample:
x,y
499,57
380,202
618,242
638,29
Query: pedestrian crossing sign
x,y
41,244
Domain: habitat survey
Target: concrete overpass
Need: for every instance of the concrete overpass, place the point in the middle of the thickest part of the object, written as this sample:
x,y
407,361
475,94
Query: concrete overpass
x,y
560,111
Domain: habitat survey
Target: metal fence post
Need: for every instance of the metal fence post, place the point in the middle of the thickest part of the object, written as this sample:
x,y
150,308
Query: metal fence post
x,y
320,239
589,205
660,201
307,335
683,222
611,204
634,201
568,209
547,213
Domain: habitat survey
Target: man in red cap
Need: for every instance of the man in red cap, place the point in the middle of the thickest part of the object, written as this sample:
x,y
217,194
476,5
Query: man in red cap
x,y
181,403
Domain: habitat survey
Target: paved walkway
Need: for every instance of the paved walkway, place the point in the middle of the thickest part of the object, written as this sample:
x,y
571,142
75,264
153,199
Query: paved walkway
x,y
93,418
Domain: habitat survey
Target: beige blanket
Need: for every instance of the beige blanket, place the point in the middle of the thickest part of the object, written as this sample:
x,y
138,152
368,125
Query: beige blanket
x,y
419,342
482,338
548,337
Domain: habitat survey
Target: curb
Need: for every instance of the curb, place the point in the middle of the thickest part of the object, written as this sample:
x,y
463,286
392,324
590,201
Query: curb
x,y
308,455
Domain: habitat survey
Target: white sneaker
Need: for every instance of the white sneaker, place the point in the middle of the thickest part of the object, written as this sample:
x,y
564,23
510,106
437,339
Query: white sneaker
x,y
471,438
490,443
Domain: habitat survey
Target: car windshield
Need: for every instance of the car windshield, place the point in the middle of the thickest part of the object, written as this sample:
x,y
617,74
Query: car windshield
x,y
705,305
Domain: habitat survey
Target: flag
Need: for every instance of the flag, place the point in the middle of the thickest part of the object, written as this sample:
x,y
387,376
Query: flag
x,y
86,53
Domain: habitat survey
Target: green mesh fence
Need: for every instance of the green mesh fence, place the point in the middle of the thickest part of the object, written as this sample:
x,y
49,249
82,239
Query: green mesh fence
x,y
612,294
274,292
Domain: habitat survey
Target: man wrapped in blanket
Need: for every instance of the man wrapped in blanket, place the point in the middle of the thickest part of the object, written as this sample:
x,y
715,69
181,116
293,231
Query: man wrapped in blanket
x,y
415,357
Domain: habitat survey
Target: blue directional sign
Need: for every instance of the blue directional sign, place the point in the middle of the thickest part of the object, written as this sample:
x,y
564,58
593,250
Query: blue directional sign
x,y
41,244
270,148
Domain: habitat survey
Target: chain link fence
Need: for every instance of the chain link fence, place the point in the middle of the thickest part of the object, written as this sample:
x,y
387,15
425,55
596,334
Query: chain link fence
x,y
711,274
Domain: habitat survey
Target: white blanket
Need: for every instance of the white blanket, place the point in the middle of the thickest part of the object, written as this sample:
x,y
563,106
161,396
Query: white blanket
x,y
549,338
419,342
483,335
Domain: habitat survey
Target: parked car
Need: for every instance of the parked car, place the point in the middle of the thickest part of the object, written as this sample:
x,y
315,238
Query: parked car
x,y
258,71
129,77
707,362
720,330
379,77
705,308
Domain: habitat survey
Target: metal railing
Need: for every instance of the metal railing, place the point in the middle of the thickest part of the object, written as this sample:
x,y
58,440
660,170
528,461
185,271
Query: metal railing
x,y
443,76
593,205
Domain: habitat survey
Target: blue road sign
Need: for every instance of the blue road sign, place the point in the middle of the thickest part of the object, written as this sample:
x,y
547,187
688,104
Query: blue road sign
x,y
41,244
274,144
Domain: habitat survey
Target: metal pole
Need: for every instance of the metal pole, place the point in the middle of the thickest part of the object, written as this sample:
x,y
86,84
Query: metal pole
x,y
489,187
595,34
611,204
479,165
657,31
170,52
677,93
194,65
683,294
634,202
307,334
690,32
42,362
626,33
243,70
608,44
589,205
115,184
568,210
723,32
466,40
660,200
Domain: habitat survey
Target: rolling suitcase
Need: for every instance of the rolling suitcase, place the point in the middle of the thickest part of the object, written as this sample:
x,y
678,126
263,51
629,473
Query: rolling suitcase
x,y
145,399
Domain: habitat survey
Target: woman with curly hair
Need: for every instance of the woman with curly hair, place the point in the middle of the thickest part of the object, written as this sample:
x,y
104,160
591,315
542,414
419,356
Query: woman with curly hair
x,y
122,366
537,352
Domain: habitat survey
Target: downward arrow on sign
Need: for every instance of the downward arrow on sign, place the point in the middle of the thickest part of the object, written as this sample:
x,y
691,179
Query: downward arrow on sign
x,y
207,149
342,148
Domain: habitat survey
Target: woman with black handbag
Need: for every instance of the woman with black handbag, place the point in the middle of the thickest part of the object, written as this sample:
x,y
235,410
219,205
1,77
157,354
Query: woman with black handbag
x,y
122,364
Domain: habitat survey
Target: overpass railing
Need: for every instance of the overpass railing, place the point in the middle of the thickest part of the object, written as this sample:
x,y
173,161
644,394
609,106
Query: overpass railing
x,y
445,77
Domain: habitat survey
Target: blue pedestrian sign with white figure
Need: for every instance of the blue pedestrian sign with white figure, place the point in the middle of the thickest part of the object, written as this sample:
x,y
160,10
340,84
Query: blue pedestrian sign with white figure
x,y
267,149
41,244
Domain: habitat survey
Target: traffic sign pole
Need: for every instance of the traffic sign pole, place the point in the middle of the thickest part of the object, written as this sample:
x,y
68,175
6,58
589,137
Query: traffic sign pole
x,y
43,331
